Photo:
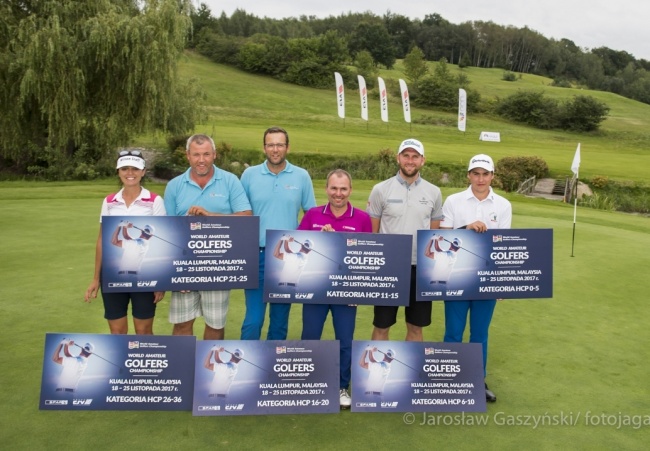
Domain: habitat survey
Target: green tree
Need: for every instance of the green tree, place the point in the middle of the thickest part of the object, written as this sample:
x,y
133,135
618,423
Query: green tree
x,y
465,61
80,77
415,66
366,67
375,39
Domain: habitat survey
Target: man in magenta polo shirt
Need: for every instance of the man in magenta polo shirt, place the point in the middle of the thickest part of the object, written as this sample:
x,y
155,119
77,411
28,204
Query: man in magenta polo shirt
x,y
338,215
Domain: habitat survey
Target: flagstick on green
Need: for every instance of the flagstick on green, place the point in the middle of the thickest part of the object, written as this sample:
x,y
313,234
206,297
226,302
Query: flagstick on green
x,y
575,167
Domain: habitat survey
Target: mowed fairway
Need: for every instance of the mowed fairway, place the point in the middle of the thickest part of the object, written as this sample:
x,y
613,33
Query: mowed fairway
x,y
570,359
570,372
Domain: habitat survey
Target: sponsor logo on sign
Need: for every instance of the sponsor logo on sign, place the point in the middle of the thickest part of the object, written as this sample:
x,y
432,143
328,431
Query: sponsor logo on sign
x,y
148,283
366,404
202,408
82,402
234,407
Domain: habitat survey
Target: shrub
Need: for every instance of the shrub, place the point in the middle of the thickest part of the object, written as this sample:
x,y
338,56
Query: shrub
x,y
512,171
529,107
582,114
599,181
177,142
509,76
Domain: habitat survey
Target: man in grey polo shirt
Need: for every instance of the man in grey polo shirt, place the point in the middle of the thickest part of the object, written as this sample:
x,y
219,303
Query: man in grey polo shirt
x,y
405,204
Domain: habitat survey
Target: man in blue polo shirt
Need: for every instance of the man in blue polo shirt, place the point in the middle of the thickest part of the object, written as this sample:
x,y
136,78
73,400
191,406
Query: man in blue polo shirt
x,y
277,191
203,190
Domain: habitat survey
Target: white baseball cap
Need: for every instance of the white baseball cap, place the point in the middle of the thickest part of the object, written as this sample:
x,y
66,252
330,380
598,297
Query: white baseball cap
x,y
481,161
411,144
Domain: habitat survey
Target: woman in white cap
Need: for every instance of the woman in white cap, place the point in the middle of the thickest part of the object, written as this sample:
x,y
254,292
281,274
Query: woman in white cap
x,y
132,200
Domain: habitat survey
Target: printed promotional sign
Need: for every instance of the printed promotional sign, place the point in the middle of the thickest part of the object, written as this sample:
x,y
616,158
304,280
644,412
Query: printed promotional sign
x,y
117,372
462,264
406,376
266,377
174,253
337,268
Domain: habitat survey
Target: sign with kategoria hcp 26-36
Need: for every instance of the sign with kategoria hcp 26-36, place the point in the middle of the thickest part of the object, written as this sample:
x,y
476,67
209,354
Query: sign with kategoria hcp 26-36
x,y
174,253
117,372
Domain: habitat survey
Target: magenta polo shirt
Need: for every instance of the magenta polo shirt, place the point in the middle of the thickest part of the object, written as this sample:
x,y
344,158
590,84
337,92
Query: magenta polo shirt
x,y
353,220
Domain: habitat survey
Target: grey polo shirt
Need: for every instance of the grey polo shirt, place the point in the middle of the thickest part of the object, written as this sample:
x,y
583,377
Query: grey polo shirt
x,y
405,209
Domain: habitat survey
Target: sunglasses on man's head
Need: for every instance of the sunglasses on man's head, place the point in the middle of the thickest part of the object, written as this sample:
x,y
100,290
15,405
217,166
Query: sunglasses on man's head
x,y
135,153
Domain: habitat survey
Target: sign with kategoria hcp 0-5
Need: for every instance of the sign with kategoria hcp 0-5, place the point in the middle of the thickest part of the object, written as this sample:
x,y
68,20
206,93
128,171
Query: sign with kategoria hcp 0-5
x,y
174,253
461,264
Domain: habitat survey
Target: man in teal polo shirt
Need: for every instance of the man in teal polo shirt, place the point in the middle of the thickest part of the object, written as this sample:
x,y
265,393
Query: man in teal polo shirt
x,y
203,190
277,191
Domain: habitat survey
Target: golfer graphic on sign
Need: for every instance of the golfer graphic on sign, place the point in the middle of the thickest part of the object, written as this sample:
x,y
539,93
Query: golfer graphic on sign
x,y
135,249
378,371
73,366
444,260
294,262
224,371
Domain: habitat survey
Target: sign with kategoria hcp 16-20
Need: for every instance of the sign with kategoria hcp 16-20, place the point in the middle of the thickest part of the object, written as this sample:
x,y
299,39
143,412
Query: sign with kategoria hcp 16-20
x,y
252,377
174,253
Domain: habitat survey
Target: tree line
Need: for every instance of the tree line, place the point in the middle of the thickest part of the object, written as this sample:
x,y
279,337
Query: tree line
x,y
392,36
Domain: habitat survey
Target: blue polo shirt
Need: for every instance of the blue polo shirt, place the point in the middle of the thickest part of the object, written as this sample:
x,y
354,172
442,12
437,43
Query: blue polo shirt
x,y
278,199
223,194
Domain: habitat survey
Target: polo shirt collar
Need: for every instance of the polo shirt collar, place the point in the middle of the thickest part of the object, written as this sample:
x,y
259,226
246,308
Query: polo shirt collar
x,y
144,194
266,170
327,210
217,175
403,182
471,195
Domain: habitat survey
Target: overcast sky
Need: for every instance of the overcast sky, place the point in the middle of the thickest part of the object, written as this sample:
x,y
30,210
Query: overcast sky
x,y
619,25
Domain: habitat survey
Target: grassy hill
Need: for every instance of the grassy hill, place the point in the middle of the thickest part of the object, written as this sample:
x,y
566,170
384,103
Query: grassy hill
x,y
241,106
